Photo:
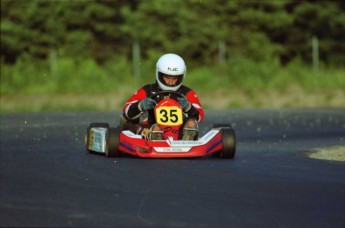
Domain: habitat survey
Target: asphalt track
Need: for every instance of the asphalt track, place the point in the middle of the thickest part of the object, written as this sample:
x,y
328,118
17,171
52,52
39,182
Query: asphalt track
x,y
48,179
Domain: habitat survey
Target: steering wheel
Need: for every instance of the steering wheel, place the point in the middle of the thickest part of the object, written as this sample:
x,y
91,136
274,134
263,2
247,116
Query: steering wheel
x,y
157,95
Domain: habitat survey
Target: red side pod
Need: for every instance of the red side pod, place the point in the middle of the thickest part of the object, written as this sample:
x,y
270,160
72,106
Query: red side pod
x,y
215,144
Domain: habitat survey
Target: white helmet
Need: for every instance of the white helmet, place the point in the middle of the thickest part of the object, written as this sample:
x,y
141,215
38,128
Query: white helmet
x,y
172,65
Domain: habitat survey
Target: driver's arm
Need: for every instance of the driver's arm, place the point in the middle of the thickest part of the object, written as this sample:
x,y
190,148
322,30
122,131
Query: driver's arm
x,y
196,109
131,108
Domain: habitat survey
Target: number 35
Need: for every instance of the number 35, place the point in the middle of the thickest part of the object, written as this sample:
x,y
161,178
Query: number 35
x,y
169,116
172,117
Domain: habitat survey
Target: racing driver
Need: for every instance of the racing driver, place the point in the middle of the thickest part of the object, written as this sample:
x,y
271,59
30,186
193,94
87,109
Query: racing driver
x,y
138,115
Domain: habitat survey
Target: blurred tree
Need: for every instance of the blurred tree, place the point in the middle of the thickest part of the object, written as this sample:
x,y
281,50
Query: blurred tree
x,y
102,29
24,30
323,19
104,20
76,28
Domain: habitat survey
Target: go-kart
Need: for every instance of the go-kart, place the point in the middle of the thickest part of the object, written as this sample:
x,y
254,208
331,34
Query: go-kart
x,y
220,140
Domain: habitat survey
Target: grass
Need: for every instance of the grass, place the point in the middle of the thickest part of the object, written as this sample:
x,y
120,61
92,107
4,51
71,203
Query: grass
x,y
72,84
292,97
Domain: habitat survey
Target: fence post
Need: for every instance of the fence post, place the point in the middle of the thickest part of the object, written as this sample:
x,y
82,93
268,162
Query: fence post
x,y
136,59
221,52
53,64
315,53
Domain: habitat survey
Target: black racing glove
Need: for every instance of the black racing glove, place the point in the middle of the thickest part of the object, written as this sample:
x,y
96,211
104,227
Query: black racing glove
x,y
185,104
146,104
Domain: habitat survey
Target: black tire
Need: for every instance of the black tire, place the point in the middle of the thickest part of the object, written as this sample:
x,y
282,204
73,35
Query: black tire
x,y
104,125
221,125
113,141
228,142
87,134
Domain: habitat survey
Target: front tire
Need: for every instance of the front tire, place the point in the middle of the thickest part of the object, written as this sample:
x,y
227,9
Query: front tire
x,y
228,142
113,141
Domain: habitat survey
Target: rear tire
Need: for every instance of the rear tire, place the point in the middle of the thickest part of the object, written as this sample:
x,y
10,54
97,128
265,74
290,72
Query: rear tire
x,y
113,141
228,142
221,125
102,125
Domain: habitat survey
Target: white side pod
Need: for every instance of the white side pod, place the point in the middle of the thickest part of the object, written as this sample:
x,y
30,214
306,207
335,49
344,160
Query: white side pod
x,y
97,140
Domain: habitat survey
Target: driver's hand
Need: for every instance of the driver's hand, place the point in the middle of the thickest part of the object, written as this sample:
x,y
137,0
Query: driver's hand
x,y
147,104
184,102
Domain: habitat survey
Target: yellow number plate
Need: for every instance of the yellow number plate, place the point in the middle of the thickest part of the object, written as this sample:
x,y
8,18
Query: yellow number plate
x,y
169,116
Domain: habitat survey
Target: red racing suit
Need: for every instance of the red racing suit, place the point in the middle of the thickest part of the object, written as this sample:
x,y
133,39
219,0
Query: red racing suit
x,y
133,116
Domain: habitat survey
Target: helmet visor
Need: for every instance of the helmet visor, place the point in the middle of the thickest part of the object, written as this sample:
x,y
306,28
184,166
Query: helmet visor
x,y
166,79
